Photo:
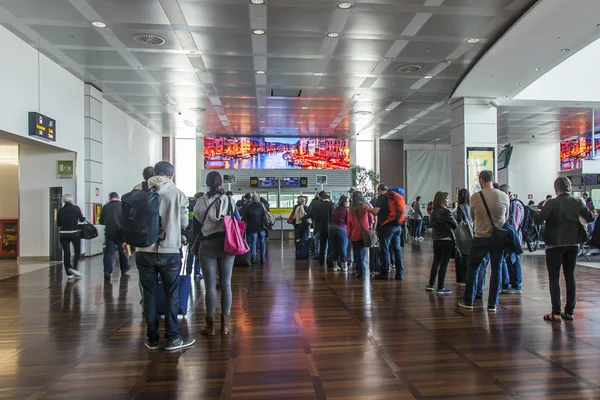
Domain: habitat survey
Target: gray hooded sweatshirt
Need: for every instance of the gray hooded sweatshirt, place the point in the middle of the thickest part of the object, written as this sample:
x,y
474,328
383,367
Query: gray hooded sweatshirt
x,y
174,215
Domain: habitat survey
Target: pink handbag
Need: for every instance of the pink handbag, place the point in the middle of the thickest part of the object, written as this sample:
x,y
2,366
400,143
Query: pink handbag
x,y
234,235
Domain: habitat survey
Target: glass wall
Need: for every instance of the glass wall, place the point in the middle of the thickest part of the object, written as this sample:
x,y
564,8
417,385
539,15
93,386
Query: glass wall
x,y
365,153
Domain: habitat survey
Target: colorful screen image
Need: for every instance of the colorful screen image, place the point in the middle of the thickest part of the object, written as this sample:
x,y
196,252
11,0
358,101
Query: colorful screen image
x,y
573,152
479,159
276,153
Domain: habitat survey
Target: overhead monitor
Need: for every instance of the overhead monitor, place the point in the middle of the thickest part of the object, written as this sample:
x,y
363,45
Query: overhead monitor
x,y
573,152
504,157
276,153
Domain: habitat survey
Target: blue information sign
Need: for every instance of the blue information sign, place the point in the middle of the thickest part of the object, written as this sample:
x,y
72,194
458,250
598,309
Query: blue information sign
x,y
291,182
266,182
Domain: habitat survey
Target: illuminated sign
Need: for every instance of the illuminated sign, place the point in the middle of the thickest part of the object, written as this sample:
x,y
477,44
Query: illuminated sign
x,y
42,127
291,182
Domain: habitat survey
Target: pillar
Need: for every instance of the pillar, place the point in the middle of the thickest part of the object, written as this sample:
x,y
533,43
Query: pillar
x,y
474,125
93,162
391,162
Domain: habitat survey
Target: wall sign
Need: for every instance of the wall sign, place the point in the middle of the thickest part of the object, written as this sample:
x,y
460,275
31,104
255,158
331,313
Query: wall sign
x,y
321,179
97,212
303,182
64,169
479,159
228,178
42,127
290,182
530,196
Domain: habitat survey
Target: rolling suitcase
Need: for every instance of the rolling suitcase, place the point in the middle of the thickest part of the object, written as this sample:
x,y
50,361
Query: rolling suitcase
x,y
374,264
242,260
185,288
302,252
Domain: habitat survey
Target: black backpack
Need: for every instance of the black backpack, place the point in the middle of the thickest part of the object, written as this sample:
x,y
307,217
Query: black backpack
x,y
141,223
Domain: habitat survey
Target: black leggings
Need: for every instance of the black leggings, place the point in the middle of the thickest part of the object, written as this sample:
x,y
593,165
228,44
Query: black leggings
x,y
66,239
442,250
567,257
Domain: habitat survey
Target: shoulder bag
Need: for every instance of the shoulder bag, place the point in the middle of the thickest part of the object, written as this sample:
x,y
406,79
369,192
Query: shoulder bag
x,y
369,237
464,232
235,244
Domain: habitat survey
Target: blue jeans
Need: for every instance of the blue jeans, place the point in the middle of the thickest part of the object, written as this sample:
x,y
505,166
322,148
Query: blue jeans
x,y
260,237
481,276
338,243
389,236
150,265
417,226
358,247
109,255
482,246
505,274
515,273
192,263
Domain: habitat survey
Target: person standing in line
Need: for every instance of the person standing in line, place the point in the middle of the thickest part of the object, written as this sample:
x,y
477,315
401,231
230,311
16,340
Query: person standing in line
x,y
483,242
588,202
254,216
442,224
338,237
511,262
301,226
542,203
193,261
210,210
111,217
564,234
164,258
417,221
358,219
147,173
68,218
390,229
462,212
320,212
317,239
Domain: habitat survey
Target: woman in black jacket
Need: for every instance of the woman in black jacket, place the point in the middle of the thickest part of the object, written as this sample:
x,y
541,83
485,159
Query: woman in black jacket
x,y
68,219
563,234
442,222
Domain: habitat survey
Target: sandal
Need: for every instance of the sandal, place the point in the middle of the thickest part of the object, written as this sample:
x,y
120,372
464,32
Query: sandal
x,y
552,317
568,317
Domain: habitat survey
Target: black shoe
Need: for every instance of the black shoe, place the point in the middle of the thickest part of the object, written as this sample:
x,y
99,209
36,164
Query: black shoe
x,y
126,272
106,276
179,344
478,297
263,261
399,277
151,344
381,277
357,276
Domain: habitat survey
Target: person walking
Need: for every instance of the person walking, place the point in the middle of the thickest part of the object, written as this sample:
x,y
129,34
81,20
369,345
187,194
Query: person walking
x,y
358,219
338,236
111,217
390,221
210,210
512,274
483,243
68,218
564,233
417,219
254,217
164,258
462,213
442,225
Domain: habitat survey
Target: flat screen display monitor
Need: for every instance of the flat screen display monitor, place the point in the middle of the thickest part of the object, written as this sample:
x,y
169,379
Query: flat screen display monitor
x,y
276,153
504,157
573,152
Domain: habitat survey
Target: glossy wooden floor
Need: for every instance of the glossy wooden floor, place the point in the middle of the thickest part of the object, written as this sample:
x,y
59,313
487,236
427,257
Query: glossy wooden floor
x,y
299,333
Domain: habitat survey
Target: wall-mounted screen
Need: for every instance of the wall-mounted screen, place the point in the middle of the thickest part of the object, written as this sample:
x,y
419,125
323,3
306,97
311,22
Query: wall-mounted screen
x,y
276,153
573,152
479,159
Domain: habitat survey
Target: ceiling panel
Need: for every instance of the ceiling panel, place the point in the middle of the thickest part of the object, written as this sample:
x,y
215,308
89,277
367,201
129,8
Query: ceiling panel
x,y
454,25
96,57
130,11
71,35
300,19
47,10
369,22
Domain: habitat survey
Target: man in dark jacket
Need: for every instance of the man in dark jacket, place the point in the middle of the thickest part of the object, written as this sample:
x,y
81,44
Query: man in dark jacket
x,y
111,217
254,214
320,213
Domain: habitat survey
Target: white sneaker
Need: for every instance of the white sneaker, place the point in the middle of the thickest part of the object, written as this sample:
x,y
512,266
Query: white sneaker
x,y
70,277
336,269
421,239
345,268
75,272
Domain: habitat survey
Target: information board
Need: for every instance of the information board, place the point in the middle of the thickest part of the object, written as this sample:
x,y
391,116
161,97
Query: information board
x,y
291,182
42,126
228,178
266,182
321,179
303,182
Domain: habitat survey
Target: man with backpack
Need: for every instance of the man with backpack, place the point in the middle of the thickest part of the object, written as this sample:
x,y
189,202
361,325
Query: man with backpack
x,y
390,210
320,212
153,221
512,274
111,217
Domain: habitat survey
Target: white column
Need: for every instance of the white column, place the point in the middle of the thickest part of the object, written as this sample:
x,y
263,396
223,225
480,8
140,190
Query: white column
x,y
474,124
93,162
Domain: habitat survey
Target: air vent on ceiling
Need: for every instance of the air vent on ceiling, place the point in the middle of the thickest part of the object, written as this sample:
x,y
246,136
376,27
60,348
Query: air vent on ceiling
x,y
197,110
362,113
408,68
286,93
149,39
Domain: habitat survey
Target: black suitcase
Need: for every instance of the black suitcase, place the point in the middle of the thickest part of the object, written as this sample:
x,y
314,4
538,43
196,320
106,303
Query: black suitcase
x,y
302,252
374,264
243,260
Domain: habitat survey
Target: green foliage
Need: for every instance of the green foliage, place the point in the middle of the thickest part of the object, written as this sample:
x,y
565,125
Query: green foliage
x,y
365,180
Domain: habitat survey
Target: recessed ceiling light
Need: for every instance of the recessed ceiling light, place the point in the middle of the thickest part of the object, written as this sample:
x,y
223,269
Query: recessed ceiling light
x,y
505,95
345,5
518,84
261,106
305,108
299,122
261,72
257,1
565,50
388,109
537,69
197,110
448,62
259,31
473,40
388,59
99,24
318,74
428,77
333,34
138,68
94,81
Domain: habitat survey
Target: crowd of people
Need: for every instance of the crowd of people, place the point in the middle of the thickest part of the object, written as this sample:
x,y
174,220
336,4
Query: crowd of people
x,y
477,231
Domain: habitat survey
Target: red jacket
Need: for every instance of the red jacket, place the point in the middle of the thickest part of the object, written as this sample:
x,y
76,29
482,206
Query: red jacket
x,y
353,228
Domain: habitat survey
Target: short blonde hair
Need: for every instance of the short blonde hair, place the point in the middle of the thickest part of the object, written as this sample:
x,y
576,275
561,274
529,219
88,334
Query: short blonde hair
x,y
67,198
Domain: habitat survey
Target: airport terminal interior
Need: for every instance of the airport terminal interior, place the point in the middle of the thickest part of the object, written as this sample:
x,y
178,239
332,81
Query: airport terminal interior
x,y
292,99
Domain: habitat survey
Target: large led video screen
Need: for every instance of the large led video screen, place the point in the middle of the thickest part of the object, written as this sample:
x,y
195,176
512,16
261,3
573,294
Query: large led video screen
x,y
573,152
276,153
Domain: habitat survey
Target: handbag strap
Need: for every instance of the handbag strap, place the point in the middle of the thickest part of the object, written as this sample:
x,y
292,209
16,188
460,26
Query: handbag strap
x,y
487,209
360,223
209,207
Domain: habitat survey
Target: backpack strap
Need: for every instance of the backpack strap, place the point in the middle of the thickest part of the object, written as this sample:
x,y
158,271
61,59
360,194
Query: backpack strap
x,y
145,186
